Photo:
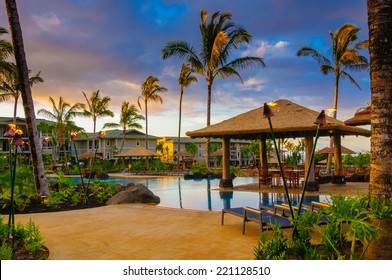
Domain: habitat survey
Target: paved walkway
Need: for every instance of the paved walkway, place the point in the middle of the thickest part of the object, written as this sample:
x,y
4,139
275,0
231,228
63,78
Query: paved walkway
x,y
146,232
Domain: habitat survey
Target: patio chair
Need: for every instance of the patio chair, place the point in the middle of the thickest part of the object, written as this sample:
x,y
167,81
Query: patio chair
x,y
265,219
264,176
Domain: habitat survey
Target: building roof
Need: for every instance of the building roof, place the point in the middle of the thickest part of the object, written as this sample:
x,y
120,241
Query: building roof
x,y
291,120
20,121
186,140
118,134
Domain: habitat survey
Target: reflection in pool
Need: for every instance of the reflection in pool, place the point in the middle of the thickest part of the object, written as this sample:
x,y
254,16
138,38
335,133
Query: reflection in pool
x,y
204,194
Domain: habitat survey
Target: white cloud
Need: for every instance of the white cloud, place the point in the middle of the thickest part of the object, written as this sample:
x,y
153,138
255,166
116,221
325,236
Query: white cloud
x,y
170,71
253,83
263,48
47,22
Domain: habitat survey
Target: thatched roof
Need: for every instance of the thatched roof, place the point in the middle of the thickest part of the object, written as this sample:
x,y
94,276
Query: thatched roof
x,y
217,153
89,154
183,154
137,152
290,120
361,117
329,150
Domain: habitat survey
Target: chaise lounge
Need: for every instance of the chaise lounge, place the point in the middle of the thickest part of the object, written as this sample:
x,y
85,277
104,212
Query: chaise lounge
x,y
265,219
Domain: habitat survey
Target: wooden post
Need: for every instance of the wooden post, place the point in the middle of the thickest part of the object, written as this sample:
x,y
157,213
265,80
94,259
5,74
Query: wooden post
x,y
263,153
226,181
312,185
338,177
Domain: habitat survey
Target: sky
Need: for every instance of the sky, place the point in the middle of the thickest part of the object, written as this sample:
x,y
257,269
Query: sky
x,y
113,46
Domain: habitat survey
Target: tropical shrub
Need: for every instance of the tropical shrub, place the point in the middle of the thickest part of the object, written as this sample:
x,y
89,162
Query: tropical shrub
x,y
26,243
345,235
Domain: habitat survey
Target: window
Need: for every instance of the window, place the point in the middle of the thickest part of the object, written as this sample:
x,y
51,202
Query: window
x,y
108,143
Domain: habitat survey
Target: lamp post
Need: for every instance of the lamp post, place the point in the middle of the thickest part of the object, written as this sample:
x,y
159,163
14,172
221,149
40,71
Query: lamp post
x,y
74,134
268,113
321,120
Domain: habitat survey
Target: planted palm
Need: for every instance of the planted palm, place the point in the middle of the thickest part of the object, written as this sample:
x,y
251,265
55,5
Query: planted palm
x,y
129,118
150,92
220,38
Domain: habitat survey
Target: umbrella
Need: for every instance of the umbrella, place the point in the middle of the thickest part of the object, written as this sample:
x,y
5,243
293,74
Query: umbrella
x,y
217,153
329,150
183,154
361,117
88,154
137,152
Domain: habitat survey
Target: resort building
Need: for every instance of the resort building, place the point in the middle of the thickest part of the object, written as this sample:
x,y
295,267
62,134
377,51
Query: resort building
x,y
110,144
169,146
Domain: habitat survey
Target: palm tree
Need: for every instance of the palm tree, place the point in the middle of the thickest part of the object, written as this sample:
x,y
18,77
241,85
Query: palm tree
x,y
129,118
6,50
185,80
345,57
28,103
219,37
97,107
150,90
62,114
12,89
380,46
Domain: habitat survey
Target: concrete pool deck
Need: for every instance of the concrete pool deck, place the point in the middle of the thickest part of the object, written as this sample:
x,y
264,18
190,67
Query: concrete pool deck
x,y
147,232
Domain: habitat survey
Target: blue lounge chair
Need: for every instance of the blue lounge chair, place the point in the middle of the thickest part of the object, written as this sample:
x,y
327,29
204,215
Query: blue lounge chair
x,y
264,218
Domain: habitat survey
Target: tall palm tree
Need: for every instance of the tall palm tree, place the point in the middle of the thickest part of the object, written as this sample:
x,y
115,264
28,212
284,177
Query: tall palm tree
x,y
219,37
185,80
345,57
97,107
150,90
28,103
62,114
380,46
6,50
129,118
12,89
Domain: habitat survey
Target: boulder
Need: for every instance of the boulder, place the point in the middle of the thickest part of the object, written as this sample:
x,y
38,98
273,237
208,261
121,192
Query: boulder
x,y
134,194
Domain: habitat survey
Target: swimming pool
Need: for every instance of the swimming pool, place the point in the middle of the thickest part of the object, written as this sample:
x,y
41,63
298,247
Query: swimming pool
x,y
204,194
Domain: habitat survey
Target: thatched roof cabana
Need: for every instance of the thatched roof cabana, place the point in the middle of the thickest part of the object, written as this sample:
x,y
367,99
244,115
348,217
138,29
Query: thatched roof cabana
x,y
90,154
137,152
290,121
183,154
361,117
329,150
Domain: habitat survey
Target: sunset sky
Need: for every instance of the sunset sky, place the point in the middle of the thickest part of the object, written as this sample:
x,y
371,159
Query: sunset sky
x,y
113,46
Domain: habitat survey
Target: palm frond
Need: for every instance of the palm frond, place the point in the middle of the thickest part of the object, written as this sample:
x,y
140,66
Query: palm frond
x,y
314,54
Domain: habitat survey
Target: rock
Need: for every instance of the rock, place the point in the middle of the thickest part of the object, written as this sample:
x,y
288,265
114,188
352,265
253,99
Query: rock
x,y
134,194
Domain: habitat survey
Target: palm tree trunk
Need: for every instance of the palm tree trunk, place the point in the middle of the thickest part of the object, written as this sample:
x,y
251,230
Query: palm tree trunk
x,y
334,115
208,124
15,109
145,106
28,103
380,47
179,124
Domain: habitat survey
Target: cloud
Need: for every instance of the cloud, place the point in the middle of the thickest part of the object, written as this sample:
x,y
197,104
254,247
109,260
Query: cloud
x,y
47,22
263,49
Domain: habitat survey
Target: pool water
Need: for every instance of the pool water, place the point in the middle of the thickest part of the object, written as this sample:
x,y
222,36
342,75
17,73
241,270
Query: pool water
x,y
204,194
